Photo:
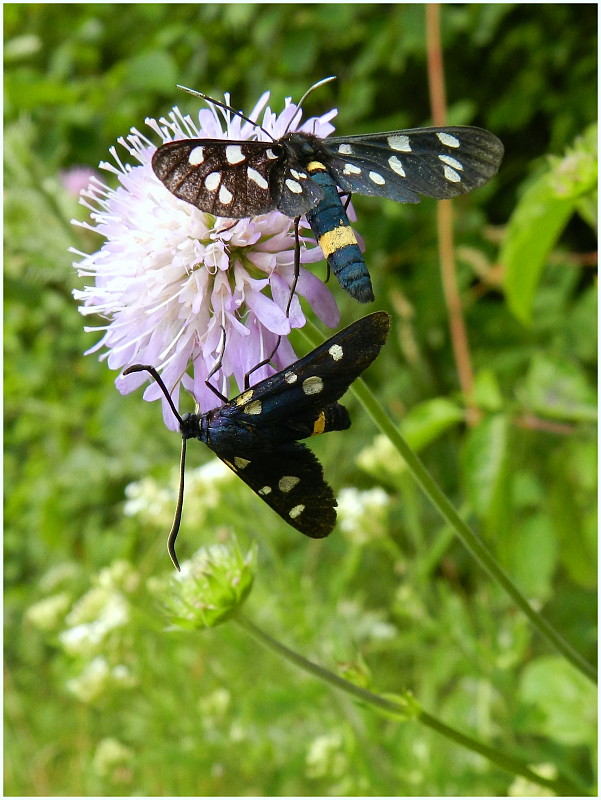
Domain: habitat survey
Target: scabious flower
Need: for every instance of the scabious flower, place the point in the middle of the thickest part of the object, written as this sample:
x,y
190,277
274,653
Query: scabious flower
x,y
172,281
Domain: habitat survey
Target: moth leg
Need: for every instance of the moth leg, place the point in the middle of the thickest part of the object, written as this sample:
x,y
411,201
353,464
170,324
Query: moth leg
x,y
347,202
217,367
261,364
296,266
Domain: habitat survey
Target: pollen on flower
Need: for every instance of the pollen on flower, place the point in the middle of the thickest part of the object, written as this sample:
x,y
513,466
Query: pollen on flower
x,y
170,282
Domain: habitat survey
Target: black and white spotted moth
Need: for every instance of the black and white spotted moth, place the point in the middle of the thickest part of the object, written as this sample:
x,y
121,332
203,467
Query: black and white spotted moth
x,y
302,174
257,433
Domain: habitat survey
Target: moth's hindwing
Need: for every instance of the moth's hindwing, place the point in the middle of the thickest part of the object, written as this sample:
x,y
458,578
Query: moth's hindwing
x,y
400,165
290,480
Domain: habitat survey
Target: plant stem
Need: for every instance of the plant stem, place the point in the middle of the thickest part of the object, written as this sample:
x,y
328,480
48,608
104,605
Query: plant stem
x,y
446,509
444,223
404,707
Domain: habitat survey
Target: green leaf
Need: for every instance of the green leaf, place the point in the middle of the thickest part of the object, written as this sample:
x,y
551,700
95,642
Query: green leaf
x,y
556,388
541,215
572,501
532,554
427,421
484,465
533,230
487,394
565,700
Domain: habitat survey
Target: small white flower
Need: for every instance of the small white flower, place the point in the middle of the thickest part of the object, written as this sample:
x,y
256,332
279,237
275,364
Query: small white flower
x,y
47,614
154,502
382,460
110,754
326,757
92,619
363,514
99,677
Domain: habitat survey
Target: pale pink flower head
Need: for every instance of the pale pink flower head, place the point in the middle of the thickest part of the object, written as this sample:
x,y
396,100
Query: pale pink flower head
x,y
173,283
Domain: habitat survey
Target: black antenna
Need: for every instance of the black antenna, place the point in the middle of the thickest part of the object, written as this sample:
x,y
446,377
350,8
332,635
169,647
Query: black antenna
x,y
247,119
312,88
225,107
180,498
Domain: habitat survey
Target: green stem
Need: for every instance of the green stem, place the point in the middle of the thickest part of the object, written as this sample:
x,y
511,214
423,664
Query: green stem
x,y
404,707
444,506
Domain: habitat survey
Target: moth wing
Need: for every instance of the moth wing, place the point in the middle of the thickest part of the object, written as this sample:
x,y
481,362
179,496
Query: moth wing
x,y
296,192
401,165
290,480
219,176
318,380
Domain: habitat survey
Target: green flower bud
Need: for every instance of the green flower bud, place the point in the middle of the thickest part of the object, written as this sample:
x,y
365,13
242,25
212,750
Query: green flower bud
x,y
211,587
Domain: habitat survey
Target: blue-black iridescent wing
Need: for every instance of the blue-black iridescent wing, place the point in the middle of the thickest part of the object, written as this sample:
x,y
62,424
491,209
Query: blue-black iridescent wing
x,y
290,480
256,434
280,406
401,165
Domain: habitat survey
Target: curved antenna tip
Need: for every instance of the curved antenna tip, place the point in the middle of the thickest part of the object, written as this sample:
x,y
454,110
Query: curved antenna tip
x,y
173,557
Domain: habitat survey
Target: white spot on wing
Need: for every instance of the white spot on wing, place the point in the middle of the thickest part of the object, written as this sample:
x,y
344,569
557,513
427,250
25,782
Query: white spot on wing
x,y
265,490
257,178
253,408
448,139
312,385
243,398
345,149
296,511
400,142
197,156
241,462
213,180
336,352
351,169
396,166
290,377
377,178
451,175
452,162
234,154
225,196
294,186
287,483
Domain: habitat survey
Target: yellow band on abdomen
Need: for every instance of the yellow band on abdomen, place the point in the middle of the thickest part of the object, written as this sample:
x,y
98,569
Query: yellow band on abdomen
x,y
315,166
333,240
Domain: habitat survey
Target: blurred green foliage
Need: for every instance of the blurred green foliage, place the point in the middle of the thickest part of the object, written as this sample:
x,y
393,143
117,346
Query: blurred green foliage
x,y
212,715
